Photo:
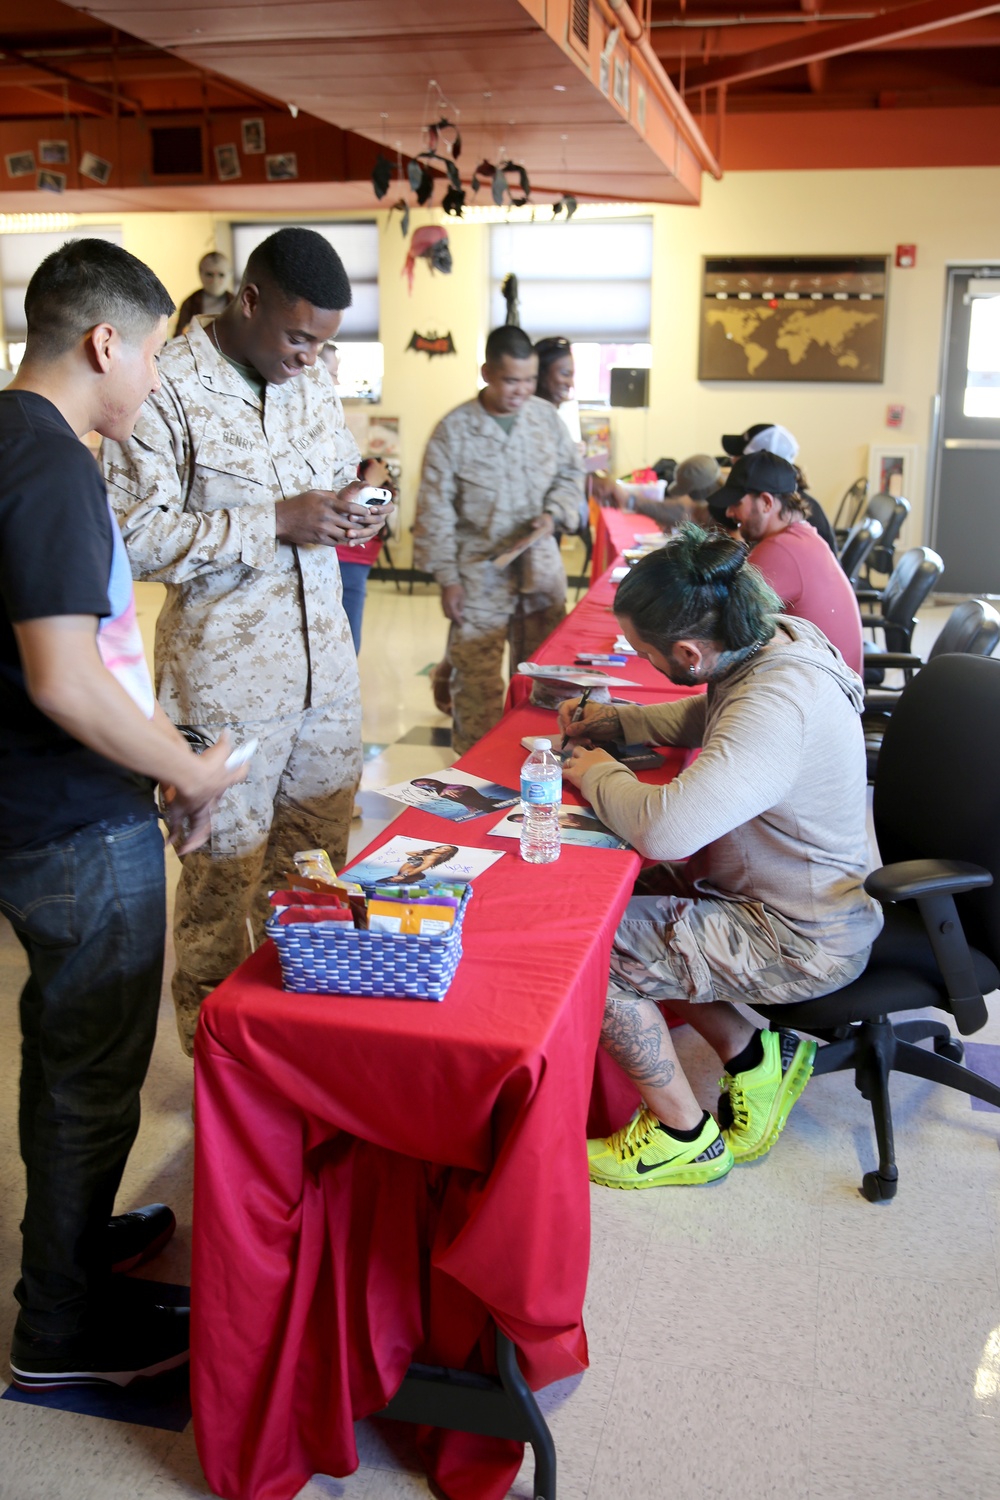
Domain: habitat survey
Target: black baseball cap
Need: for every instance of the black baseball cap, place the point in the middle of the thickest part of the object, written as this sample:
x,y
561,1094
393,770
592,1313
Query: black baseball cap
x,y
758,474
733,443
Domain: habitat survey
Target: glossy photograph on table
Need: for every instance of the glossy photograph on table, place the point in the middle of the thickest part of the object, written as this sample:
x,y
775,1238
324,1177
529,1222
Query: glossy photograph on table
x,y
453,794
414,860
577,825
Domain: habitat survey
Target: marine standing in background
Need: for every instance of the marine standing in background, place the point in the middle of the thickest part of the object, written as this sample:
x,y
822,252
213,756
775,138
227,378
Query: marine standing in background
x,y
494,467
234,491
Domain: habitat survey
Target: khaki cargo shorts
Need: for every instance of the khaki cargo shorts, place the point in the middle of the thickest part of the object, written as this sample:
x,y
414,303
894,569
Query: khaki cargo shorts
x,y
679,945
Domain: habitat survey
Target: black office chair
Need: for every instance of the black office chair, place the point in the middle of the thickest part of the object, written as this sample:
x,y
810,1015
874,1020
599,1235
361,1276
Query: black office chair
x,y
937,818
890,511
915,575
857,545
972,629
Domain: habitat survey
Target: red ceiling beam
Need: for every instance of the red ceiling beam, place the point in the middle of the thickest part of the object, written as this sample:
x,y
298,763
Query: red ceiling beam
x,y
101,101
855,36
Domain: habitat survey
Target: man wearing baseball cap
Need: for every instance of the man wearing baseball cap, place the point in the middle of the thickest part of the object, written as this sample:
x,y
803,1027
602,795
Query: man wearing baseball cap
x,y
761,500
769,437
695,478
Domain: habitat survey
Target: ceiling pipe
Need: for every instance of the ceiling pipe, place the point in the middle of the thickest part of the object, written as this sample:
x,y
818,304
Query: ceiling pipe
x,y
617,15
627,19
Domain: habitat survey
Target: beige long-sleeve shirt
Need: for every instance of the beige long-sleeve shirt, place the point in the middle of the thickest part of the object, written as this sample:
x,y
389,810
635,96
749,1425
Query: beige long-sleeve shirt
x,y
252,628
481,486
773,809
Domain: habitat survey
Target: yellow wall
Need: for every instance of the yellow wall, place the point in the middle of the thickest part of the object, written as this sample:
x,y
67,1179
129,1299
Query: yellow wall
x,y
951,216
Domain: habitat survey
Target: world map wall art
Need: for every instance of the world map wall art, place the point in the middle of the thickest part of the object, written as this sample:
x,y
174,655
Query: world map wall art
x,y
793,318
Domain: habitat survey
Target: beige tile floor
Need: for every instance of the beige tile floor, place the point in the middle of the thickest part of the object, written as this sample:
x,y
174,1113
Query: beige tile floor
x,y
774,1336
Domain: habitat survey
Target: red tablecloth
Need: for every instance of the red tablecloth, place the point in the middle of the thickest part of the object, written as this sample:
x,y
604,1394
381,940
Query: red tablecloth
x,y
591,626
615,530
376,1179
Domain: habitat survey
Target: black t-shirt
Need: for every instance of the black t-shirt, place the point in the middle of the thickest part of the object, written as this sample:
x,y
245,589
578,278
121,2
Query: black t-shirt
x,y
816,516
56,552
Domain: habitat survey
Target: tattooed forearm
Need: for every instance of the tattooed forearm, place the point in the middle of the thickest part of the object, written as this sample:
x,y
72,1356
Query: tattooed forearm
x,y
601,722
634,1033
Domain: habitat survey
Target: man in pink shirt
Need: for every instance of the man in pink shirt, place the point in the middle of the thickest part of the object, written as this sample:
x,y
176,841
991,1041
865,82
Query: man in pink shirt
x,y
760,499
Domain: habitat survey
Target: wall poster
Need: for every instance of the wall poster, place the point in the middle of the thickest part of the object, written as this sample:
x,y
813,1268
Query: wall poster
x,y
767,318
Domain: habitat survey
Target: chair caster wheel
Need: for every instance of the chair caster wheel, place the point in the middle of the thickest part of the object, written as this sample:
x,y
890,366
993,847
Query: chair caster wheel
x,y
878,1189
949,1047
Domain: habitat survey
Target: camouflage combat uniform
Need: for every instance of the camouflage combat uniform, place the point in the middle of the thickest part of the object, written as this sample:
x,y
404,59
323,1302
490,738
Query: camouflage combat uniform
x,y
480,489
252,636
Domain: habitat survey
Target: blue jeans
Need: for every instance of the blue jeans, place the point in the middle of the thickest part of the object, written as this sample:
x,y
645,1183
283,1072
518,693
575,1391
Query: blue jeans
x,y
91,916
354,577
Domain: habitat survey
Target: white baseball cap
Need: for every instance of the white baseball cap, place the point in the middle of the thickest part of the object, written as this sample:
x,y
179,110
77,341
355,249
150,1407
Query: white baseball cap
x,y
776,440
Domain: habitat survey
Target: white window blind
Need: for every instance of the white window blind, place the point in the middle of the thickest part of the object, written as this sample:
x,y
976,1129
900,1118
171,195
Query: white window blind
x,y
357,244
22,254
587,281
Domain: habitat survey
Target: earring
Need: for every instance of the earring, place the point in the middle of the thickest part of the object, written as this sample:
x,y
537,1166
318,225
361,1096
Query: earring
x,y
691,670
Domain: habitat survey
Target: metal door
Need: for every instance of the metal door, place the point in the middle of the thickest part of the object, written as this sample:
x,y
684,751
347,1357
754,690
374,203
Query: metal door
x,y
965,513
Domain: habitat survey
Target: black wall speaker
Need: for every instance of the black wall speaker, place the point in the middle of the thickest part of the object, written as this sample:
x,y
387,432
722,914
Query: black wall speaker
x,y
629,387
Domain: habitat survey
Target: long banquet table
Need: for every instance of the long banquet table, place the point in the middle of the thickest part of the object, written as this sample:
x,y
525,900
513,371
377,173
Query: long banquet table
x,y
615,530
376,1180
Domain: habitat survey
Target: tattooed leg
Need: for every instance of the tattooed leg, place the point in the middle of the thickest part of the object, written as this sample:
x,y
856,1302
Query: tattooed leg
x,y
638,1038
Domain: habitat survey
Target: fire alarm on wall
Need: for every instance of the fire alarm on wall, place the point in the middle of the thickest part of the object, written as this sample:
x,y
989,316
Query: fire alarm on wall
x,y
906,256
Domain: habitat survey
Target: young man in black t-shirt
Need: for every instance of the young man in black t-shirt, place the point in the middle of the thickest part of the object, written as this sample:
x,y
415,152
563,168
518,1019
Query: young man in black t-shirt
x,y
82,742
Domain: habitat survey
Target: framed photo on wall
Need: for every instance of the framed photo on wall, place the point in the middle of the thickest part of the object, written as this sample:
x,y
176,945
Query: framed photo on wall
x,y
804,318
227,163
283,167
254,140
892,469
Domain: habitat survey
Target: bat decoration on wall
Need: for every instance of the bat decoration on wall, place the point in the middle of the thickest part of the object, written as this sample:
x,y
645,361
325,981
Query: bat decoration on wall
x,y
430,344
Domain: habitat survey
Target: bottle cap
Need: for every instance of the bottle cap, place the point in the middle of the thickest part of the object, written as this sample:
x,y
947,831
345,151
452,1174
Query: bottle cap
x,y
541,744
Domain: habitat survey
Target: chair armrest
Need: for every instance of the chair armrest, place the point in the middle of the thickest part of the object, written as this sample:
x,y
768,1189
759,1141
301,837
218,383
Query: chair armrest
x,y
867,619
892,659
913,878
934,884
866,595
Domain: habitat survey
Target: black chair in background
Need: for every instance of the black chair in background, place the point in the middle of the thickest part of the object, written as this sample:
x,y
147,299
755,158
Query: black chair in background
x,y
587,539
890,511
937,819
972,629
857,545
915,575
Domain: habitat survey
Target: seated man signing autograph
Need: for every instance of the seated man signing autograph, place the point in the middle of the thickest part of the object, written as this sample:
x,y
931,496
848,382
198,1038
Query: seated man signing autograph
x,y
771,819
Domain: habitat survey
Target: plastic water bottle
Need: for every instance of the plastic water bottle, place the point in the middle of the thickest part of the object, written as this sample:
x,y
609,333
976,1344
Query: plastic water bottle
x,y
541,798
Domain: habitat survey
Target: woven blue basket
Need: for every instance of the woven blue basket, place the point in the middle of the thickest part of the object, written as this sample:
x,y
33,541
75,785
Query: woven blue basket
x,y
335,959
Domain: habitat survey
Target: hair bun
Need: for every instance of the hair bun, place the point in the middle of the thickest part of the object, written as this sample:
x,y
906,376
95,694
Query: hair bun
x,y
716,559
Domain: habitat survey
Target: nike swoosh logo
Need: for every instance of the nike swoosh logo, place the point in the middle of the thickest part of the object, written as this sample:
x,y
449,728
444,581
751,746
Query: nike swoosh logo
x,y
642,1168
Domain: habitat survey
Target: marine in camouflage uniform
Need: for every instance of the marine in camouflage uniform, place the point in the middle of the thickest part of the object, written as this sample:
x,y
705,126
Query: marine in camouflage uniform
x,y
252,637
480,489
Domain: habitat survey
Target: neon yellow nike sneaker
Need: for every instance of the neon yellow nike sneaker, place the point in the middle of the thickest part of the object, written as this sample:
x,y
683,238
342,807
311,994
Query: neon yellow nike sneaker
x,y
641,1155
754,1105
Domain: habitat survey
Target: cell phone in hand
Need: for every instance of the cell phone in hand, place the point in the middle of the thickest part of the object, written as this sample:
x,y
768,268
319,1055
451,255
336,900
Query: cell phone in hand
x,y
242,754
370,495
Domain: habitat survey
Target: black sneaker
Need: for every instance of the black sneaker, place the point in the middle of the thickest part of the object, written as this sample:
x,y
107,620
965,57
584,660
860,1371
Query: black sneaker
x,y
134,1238
156,1339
